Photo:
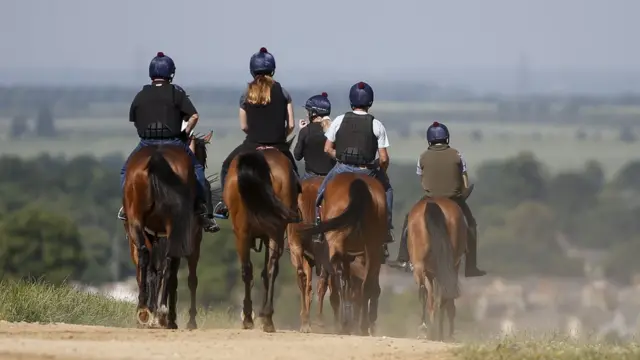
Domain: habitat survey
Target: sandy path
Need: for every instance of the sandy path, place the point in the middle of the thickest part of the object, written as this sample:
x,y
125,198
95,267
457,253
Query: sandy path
x,y
61,341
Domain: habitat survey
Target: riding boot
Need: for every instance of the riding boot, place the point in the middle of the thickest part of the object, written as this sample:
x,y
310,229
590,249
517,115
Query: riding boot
x,y
208,222
221,209
470,266
402,262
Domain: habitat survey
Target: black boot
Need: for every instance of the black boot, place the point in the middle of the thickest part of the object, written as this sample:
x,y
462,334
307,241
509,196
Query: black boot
x,y
208,222
470,263
402,262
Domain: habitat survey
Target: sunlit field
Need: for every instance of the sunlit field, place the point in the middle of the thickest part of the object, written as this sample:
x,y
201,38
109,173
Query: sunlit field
x,y
557,146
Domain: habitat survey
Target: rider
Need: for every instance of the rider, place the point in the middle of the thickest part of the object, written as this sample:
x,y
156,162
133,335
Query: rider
x,y
157,112
266,115
356,145
311,137
443,172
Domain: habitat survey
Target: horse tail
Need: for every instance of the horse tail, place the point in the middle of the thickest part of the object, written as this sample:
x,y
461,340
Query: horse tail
x,y
256,190
441,252
360,199
172,198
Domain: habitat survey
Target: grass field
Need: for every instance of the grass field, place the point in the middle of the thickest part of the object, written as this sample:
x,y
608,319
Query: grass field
x,y
39,302
554,145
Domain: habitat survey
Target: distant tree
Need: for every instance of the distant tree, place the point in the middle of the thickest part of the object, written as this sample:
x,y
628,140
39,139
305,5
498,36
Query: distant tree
x,y
627,134
45,123
19,127
476,135
40,243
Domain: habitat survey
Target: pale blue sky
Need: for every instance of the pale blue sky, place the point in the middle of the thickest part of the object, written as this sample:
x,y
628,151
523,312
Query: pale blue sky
x,y
213,39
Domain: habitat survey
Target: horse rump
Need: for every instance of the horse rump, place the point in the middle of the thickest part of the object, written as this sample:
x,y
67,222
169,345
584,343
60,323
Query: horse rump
x,y
172,198
441,252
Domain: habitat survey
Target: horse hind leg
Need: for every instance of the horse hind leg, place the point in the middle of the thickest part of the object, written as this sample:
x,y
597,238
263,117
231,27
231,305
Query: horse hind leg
x,y
243,248
192,262
141,252
173,292
270,273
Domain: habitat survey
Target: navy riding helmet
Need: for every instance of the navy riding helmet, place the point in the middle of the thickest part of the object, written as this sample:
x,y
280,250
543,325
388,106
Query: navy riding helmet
x,y
437,132
318,105
361,95
262,63
162,67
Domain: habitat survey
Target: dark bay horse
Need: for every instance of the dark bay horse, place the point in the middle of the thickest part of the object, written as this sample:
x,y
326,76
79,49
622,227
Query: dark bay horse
x,y
305,256
355,227
261,194
437,240
159,199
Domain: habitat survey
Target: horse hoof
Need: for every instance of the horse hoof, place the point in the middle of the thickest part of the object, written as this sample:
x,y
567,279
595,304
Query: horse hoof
x,y
305,329
247,324
144,317
192,325
172,325
268,328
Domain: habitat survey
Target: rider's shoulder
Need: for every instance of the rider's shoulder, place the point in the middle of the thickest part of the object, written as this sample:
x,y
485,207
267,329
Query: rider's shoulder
x,y
179,89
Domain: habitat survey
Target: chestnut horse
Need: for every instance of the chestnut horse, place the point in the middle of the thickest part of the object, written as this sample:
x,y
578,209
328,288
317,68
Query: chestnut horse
x,y
436,240
305,255
159,200
354,222
261,193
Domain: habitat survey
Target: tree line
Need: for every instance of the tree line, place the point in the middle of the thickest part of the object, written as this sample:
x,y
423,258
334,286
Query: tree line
x,y
57,219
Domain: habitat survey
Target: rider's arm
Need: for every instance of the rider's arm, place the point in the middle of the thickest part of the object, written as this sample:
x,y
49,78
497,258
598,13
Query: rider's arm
x,y
291,123
383,143
242,114
298,151
132,109
465,175
330,134
419,168
188,109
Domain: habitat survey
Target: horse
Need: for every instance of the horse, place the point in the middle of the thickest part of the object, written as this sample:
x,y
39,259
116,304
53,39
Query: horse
x,y
436,240
261,194
355,226
305,255
159,200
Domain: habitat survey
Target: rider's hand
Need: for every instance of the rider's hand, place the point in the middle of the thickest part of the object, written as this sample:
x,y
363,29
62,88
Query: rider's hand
x,y
302,123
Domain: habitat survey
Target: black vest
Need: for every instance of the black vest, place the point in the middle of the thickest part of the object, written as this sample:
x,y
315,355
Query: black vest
x,y
267,123
356,144
157,113
315,159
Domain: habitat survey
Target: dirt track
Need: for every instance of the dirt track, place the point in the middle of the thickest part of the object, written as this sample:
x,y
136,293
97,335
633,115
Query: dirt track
x,y
60,341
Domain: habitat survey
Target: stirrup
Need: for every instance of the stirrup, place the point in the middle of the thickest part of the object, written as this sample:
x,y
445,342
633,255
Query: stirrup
x,y
221,211
121,214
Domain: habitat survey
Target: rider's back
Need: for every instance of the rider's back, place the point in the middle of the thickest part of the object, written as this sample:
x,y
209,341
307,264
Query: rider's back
x,y
441,171
155,106
266,122
315,158
356,142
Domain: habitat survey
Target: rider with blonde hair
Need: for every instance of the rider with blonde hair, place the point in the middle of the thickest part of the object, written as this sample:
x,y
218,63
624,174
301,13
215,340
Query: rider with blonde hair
x,y
311,137
266,115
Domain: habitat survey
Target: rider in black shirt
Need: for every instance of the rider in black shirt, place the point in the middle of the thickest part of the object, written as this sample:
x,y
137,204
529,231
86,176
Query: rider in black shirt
x,y
311,138
157,112
266,115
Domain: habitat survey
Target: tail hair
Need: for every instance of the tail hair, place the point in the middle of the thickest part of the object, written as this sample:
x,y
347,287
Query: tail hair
x,y
441,252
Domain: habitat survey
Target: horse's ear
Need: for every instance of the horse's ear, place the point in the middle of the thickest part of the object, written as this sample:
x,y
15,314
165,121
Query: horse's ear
x,y
207,138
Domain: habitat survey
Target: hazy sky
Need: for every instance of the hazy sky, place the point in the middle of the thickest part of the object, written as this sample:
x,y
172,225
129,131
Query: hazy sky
x,y
217,37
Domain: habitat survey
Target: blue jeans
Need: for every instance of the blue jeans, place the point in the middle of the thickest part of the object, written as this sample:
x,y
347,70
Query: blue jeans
x,y
340,168
199,169
309,175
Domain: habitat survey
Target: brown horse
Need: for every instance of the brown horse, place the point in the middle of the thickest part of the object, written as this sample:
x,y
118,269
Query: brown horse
x,y
305,256
261,193
437,240
355,230
159,200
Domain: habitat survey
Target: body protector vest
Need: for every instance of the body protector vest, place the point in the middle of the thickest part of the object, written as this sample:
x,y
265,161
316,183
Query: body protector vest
x,y
315,159
267,123
441,171
157,113
356,144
